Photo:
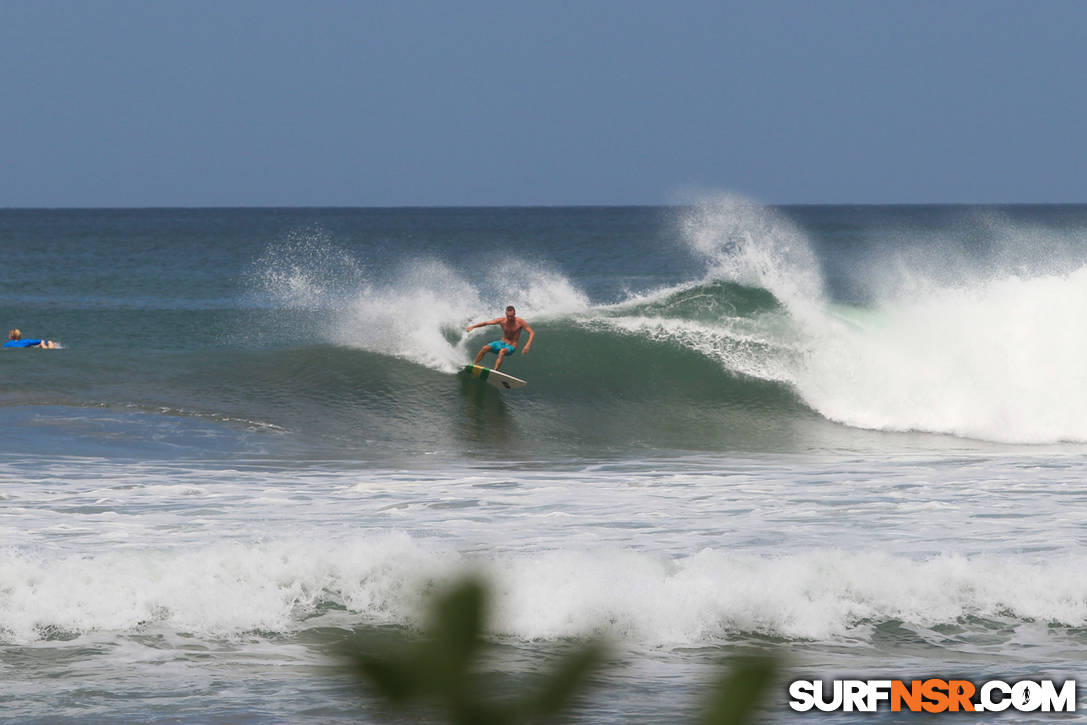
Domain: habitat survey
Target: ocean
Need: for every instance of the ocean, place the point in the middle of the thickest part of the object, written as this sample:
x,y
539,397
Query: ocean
x,y
855,435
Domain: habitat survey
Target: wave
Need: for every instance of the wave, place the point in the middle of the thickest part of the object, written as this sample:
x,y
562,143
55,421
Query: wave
x,y
282,586
954,336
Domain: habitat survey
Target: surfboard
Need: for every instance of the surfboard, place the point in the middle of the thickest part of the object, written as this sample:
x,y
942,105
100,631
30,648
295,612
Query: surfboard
x,y
495,377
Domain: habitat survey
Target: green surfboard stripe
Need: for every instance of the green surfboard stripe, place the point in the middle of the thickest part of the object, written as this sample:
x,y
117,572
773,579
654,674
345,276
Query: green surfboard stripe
x,y
483,373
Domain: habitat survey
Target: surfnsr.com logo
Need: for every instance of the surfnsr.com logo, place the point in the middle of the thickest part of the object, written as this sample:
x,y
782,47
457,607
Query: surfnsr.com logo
x,y
932,695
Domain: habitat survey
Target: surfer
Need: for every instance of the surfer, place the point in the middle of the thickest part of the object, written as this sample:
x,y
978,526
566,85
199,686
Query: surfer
x,y
511,332
15,339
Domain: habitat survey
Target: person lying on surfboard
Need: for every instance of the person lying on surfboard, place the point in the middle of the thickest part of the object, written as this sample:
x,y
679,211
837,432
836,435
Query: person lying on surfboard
x,y
15,339
511,332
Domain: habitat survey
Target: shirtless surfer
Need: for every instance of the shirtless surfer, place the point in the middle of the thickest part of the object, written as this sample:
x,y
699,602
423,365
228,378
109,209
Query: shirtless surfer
x,y
511,332
15,339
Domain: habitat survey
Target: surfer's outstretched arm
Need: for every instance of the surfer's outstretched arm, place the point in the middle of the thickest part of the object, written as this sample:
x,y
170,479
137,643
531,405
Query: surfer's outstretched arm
x,y
495,321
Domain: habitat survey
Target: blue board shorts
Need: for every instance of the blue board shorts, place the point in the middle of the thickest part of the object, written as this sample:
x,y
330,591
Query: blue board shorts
x,y
499,346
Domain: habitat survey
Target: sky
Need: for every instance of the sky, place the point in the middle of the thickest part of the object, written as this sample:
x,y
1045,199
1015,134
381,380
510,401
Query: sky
x,y
407,103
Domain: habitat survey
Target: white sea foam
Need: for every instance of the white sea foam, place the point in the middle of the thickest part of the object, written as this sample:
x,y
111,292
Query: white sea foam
x,y
276,586
213,590
984,344
999,360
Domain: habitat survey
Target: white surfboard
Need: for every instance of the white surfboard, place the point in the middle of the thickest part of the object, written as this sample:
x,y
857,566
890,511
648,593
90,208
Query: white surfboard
x,y
496,378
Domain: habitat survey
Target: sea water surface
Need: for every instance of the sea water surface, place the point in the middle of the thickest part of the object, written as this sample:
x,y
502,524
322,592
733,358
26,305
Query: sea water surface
x,y
854,435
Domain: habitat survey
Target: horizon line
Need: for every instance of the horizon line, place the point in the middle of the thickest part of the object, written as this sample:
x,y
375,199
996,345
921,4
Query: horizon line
x,y
228,207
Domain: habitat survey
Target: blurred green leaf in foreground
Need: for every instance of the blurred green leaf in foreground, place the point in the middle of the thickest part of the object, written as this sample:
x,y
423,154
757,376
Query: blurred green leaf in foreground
x,y
439,673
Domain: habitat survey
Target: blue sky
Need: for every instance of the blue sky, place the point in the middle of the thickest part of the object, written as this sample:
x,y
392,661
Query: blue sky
x,y
505,103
